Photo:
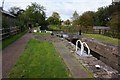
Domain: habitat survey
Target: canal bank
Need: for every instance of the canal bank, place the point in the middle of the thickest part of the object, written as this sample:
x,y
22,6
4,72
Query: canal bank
x,y
89,62
106,52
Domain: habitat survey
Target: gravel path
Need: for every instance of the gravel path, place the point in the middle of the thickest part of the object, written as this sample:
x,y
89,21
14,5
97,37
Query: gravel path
x,y
11,53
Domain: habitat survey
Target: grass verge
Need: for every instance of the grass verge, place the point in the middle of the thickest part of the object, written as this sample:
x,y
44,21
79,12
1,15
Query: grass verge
x,y
11,39
103,38
39,60
38,33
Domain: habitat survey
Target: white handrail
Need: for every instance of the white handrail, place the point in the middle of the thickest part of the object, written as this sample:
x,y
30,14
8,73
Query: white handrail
x,y
82,47
87,47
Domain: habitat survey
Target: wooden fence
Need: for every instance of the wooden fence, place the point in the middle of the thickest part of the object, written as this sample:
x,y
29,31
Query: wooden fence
x,y
7,32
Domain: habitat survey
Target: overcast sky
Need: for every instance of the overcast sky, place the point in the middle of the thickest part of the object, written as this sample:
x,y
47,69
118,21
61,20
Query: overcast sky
x,y
64,7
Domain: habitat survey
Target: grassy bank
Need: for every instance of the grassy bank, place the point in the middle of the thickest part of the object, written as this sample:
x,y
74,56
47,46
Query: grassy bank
x,y
38,33
103,38
11,39
39,60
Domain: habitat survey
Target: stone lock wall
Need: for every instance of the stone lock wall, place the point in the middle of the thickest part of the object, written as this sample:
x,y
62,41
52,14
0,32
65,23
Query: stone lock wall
x,y
109,54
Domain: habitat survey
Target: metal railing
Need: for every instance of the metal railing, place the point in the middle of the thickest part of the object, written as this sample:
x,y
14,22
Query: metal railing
x,y
82,47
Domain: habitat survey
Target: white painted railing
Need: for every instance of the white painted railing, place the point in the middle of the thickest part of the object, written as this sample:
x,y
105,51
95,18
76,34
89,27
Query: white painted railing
x,y
87,47
82,47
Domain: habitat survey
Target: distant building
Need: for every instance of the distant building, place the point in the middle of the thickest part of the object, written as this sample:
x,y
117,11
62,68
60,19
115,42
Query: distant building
x,y
8,24
115,1
7,19
1,8
101,29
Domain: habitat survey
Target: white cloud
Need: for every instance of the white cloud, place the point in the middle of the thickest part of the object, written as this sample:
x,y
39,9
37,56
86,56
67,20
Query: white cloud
x,y
64,7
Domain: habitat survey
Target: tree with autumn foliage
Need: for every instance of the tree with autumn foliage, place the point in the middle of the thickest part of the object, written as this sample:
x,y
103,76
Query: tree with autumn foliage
x,y
86,21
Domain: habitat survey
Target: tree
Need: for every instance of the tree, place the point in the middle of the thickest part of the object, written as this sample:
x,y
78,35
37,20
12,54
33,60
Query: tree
x,y
114,24
54,19
67,22
86,20
104,14
34,13
15,10
101,16
56,15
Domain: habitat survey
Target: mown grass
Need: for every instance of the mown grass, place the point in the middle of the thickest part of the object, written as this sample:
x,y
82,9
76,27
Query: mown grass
x,y
38,33
11,39
103,38
39,60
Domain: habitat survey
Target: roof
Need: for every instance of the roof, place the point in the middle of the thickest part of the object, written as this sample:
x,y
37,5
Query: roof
x,y
115,0
101,27
7,13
